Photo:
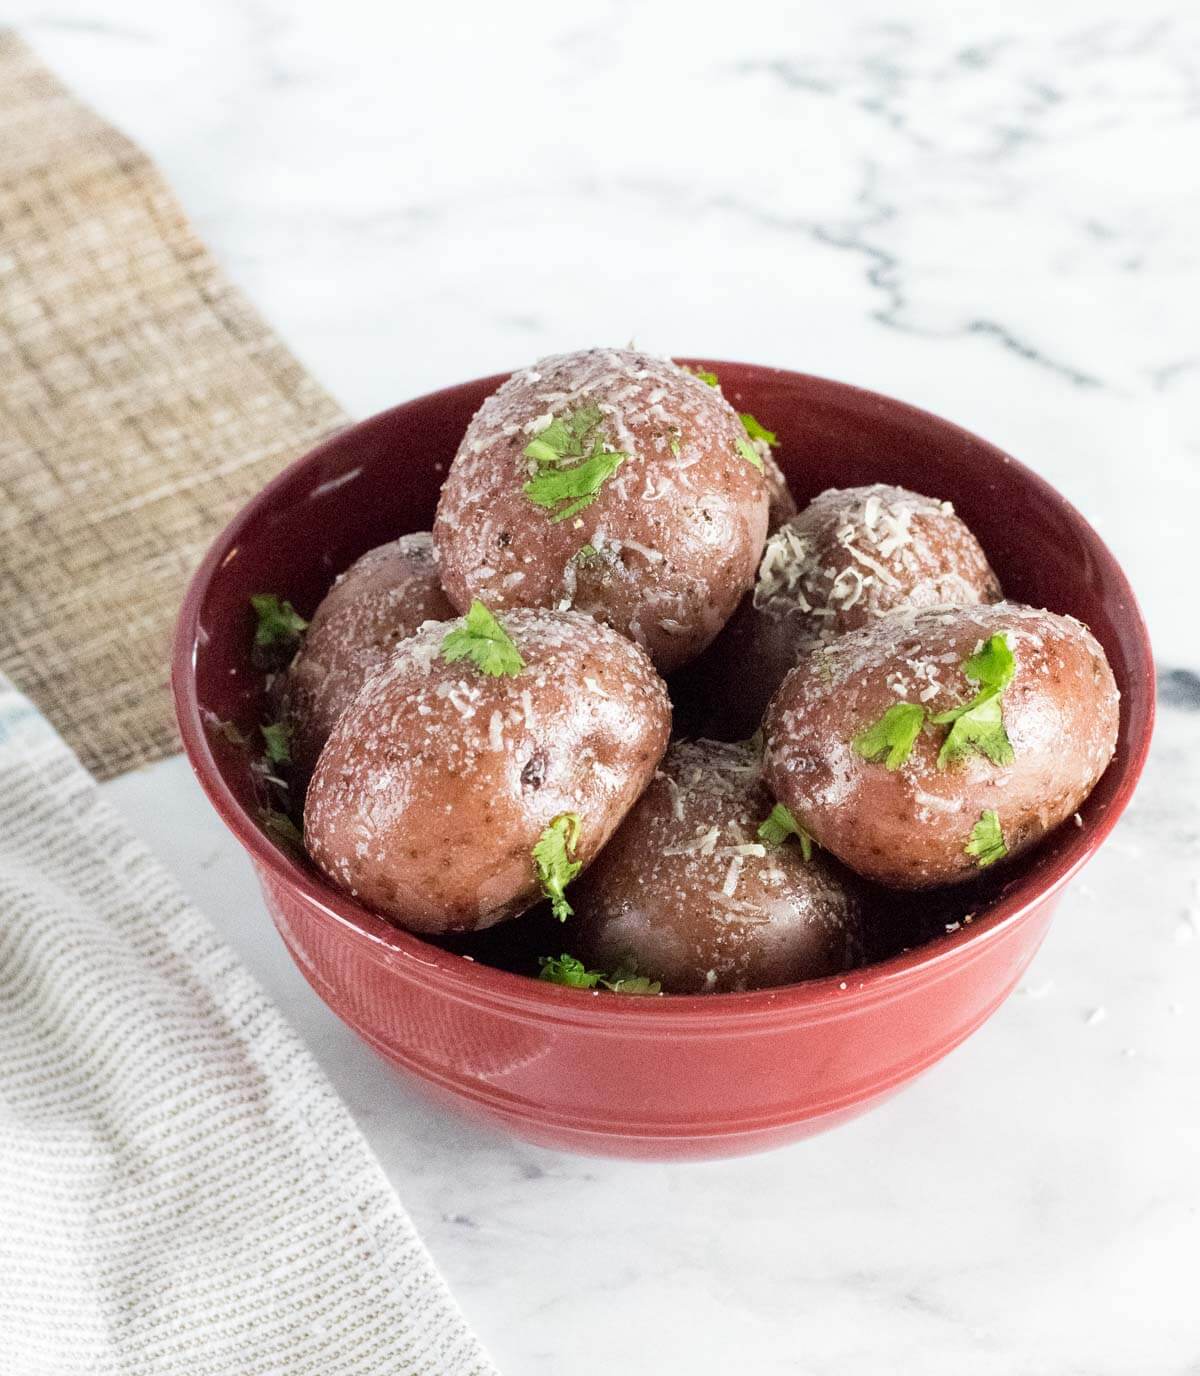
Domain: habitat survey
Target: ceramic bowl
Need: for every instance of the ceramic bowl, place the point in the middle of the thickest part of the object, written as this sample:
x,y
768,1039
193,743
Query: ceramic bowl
x,y
666,1077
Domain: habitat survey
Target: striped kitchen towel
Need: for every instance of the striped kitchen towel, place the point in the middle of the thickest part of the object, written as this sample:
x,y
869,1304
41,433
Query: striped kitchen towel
x,y
180,1189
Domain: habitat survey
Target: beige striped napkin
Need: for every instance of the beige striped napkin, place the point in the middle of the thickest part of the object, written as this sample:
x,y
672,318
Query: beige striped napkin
x,y
180,1189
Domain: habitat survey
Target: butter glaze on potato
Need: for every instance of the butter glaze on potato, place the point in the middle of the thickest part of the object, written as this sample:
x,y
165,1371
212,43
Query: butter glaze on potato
x,y
909,828
380,600
438,780
686,890
851,556
676,531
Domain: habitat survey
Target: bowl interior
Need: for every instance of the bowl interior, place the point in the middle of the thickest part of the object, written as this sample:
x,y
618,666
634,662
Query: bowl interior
x,y
381,478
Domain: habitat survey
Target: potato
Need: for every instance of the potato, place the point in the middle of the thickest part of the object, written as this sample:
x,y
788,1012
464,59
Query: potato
x,y
688,894
852,555
781,504
380,599
964,793
439,778
667,528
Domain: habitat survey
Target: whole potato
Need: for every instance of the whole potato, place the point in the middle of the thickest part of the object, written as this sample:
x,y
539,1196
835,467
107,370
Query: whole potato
x,y
854,749
380,599
612,482
851,556
688,894
442,775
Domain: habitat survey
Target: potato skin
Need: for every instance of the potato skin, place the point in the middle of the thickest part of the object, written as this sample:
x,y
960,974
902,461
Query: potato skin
x,y
678,535
851,556
786,920
438,780
380,600
908,828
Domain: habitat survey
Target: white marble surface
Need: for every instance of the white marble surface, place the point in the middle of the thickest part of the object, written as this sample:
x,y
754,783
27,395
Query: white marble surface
x,y
992,211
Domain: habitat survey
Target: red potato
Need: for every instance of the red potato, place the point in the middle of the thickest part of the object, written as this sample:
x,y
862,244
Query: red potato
x,y
380,600
664,542
688,894
851,556
900,818
439,779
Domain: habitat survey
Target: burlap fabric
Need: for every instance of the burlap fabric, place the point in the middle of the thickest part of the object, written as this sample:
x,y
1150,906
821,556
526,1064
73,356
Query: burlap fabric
x,y
141,402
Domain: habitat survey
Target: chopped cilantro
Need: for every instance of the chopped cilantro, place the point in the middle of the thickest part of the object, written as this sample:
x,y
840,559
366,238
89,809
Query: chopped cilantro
x,y
987,840
485,642
978,725
584,554
758,431
893,735
626,980
708,378
675,442
278,737
281,829
749,453
567,970
779,825
278,630
554,858
554,484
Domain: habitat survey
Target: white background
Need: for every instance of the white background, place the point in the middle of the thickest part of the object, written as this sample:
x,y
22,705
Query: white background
x,y
991,211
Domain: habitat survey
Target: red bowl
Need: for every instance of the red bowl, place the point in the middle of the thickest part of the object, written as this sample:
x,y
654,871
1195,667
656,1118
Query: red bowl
x,y
676,1076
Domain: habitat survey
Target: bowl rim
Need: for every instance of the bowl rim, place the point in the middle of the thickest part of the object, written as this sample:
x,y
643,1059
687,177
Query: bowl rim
x,y
474,982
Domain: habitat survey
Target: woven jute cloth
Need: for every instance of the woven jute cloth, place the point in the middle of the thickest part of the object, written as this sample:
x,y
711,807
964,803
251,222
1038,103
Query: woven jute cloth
x,y
142,401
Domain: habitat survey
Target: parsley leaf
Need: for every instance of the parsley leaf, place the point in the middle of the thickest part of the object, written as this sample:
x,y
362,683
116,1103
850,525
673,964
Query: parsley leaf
x,y
281,829
757,431
749,453
278,737
485,642
626,980
978,725
779,825
554,858
987,840
277,632
893,735
567,970
578,485
574,974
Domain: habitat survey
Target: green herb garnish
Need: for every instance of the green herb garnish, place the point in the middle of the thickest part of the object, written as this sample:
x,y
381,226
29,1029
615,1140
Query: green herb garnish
x,y
749,453
987,840
779,825
892,737
585,554
709,379
554,858
278,737
485,642
574,974
626,980
562,488
757,431
567,970
278,630
978,726
281,829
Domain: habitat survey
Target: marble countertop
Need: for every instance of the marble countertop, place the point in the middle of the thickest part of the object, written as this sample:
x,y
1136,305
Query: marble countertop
x,y
991,212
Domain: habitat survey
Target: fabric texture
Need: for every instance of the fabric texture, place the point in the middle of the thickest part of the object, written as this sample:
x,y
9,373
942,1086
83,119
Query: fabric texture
x,y
141,403
180,1189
